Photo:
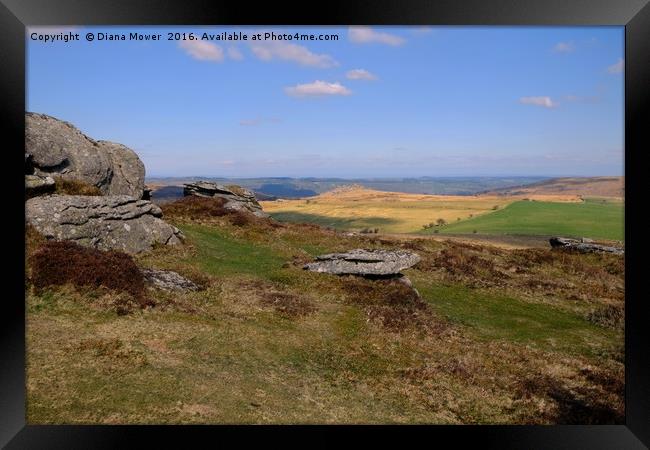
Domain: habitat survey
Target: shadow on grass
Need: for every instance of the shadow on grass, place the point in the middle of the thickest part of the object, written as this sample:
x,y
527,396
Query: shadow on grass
x,y
335,222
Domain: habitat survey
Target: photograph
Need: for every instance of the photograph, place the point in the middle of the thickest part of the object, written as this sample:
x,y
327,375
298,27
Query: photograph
x,y
359,224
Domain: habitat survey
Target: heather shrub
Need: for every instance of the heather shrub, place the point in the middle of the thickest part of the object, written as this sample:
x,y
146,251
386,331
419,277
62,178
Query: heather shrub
x,y
60,263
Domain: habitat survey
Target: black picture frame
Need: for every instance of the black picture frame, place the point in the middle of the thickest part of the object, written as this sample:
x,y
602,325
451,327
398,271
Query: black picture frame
x,y
15,15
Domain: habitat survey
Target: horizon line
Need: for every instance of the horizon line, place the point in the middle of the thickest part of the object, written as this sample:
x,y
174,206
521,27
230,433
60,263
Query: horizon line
x,y
382,177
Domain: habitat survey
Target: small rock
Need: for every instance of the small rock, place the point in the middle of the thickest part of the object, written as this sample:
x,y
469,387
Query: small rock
x,y
583,247
168,280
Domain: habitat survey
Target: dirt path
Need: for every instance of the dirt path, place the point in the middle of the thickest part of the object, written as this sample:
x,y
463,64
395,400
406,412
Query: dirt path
x,y
501,241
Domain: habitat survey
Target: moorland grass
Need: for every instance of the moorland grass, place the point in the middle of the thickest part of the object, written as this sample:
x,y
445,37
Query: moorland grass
x,y
267,342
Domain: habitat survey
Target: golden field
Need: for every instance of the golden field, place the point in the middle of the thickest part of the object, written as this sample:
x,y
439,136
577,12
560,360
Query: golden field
x,y
391,212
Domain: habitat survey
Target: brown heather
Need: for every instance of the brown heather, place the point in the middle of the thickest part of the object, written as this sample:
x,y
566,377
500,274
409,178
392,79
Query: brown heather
x,y
60,263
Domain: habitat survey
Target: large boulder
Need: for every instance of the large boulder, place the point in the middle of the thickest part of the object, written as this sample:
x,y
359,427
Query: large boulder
x,y
115,222
237,198
373,263
57,148
584,246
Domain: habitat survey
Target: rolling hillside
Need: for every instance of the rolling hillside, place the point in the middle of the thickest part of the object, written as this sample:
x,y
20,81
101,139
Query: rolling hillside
x,y
585,187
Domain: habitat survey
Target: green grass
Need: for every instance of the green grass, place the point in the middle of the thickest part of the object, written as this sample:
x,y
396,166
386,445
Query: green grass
x,y
492,316
221,253
592,219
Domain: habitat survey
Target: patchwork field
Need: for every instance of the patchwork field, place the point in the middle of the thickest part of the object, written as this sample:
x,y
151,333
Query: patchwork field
x,y
391,212
519,336
593,218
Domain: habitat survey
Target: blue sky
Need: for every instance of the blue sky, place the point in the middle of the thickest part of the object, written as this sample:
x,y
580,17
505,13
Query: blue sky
x,y
379,102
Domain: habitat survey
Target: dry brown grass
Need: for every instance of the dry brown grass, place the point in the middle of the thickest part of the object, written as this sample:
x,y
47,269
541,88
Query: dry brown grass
x,y
391,303
287,304
611,187
67,186
195,207
210,209
33,240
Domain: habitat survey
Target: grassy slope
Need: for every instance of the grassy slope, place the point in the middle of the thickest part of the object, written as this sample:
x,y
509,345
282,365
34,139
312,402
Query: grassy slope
x,y
593,219
222,356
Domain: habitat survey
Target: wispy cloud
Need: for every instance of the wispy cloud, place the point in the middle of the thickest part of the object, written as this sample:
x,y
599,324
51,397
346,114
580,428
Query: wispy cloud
x,y
543,101
268,51
366,35
234,53
617,67
564,47
203,51
316,89
360,74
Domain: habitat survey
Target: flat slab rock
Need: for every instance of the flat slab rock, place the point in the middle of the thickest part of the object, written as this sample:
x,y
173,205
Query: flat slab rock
x,y
584,246
237,197
113,222
364,262
168,280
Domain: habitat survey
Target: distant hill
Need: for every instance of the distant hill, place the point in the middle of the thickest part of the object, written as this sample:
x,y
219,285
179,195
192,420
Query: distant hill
x,y
289,188
585,187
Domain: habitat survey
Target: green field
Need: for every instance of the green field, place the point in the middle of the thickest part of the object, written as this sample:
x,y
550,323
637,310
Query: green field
x,y
594,219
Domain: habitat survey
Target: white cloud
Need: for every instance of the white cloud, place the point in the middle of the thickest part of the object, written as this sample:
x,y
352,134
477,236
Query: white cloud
x,y
317,88
617,67
267,51
564,47
234,53
366,35
545,102
360,74
203,51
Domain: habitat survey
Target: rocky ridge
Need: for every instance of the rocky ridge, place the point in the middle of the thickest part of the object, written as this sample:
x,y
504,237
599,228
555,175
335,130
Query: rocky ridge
x,y
116,222
237,198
